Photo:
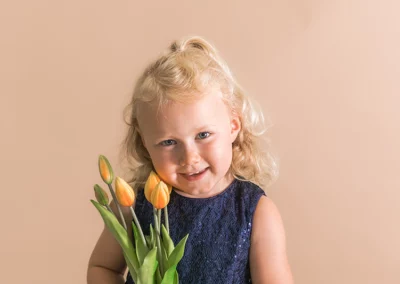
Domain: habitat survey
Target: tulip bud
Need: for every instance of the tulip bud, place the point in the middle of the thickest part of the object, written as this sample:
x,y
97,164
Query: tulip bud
x,y
151,184
124,192
105,169
160,196
101,195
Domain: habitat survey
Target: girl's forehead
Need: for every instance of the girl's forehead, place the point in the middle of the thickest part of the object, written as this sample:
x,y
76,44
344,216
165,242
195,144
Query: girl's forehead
x,y
207,110
206,107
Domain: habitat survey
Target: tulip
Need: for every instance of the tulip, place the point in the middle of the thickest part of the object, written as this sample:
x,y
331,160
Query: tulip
x,y
151,184
126,197
160,195
152,181
124,192
101,195
105,169
107,175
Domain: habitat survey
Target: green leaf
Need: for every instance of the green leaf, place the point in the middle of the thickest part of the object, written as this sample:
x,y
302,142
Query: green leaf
x,y
167,241
148,240
164,258
130,267
146,274
121,235
141,248
177,253
158,275
169,276
176,279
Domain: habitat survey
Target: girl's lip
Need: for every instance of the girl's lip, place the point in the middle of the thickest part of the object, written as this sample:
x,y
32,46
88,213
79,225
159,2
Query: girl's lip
x,y
195,176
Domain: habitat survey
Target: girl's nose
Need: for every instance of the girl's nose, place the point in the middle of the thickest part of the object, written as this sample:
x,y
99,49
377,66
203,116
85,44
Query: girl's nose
x,y
189,156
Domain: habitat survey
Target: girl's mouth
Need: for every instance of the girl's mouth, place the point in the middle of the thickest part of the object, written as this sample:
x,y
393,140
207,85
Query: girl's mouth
x,y
195,176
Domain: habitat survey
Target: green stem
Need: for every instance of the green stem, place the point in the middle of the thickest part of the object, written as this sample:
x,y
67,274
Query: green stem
x,y
119,208
166,218
159,252
159,220
109,208
138,226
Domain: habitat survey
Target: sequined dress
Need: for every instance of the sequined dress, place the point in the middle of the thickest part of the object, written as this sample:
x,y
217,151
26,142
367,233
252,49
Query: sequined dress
x,y
219,227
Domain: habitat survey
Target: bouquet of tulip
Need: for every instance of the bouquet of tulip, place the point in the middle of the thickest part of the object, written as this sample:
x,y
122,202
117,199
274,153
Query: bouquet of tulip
x,y
150,259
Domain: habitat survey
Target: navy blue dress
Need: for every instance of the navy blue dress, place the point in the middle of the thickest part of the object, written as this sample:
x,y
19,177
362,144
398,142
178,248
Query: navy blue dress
x,y
219,227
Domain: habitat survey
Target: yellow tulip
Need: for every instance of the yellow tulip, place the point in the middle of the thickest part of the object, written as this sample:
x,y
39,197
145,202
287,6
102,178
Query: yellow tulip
x,y
160,196
105,169
151,184
124,192
101,195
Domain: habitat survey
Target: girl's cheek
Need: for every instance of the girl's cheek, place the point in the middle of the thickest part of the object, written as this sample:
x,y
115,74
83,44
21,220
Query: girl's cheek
x,y
165,158
216,148
220,153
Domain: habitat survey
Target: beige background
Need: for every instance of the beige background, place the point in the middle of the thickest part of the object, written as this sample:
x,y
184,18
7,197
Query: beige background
x,y
326,73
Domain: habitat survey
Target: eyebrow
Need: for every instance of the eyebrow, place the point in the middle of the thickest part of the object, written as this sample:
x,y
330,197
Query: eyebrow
x,y
165,135
205,127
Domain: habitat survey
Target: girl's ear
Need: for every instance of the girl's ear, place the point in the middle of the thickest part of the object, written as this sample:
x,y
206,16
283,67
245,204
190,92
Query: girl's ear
x,y
236,125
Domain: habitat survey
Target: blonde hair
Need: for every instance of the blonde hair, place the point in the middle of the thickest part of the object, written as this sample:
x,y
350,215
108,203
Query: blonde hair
x,y
182,73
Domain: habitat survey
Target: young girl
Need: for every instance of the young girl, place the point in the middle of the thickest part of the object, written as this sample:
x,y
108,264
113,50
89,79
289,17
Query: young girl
x,y
190,122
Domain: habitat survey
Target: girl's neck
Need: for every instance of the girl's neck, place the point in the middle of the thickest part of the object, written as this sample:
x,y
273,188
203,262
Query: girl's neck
x,y
222,185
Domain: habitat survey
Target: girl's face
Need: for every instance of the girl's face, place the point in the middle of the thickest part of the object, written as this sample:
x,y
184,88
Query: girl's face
x,y
191,144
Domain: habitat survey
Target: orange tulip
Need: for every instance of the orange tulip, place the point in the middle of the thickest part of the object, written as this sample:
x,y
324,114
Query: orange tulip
x,y
124,192
151,184
160,196
101,195
105,169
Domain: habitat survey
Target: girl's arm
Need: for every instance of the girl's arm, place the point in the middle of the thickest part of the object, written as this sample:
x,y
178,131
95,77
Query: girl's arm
x,y
107,264
268,259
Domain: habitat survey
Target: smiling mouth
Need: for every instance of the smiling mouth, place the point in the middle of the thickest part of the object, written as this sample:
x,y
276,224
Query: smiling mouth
x,y
195,175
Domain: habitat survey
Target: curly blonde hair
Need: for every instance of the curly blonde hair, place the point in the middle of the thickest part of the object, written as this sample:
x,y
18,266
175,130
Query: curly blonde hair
x,y
182,73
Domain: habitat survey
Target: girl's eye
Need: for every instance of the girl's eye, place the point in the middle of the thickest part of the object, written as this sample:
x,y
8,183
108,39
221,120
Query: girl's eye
x,y
168,142
203,135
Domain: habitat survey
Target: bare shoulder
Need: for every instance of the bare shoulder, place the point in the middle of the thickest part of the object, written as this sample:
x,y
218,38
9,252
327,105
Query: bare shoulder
x,y
268,256
108,253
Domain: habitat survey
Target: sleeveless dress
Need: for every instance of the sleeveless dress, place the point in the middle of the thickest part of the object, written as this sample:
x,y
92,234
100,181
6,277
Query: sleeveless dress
x,y
219,228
